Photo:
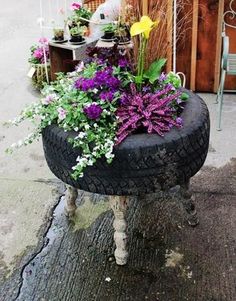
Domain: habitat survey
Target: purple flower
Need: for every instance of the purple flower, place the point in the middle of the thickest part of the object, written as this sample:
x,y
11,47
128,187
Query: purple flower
x,y
93,111
162,77
123,63
61,113
48,99
113,83
101,77
170,87
179,101
85,84
107,95
146,89
38,53
43,41
75,6
179,120
124,100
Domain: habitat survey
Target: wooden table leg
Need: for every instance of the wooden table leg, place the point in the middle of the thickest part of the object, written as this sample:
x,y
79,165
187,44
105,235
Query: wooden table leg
x,y
119,206
70,199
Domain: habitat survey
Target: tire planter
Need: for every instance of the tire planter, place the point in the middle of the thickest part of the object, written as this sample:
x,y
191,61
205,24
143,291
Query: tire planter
x,y
143,163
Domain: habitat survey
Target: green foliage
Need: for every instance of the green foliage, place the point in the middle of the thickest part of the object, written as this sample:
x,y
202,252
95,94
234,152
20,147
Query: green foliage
x,y
109,27
77,30
174,79
154,71
184,96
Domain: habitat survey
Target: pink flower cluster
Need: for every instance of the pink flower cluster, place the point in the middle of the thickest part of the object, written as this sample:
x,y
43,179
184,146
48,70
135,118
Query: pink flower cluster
x,y
38,52
75,6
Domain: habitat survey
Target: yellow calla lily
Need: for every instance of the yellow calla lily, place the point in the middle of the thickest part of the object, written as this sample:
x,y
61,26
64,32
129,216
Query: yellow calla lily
x,y
145,26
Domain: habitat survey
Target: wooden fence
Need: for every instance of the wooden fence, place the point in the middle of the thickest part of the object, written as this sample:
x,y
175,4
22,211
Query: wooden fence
x,y
199,55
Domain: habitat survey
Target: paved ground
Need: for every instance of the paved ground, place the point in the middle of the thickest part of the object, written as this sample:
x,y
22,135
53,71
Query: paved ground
x,y
70,257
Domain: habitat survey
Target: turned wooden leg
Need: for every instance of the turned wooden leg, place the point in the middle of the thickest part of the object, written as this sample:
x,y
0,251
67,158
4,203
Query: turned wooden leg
x,y
119,206
70,198
187,199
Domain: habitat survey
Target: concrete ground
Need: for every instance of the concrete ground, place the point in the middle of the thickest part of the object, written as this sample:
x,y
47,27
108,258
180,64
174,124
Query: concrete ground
x,y
29,192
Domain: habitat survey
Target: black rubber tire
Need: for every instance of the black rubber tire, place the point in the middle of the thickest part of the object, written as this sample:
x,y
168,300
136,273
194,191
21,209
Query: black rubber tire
x,y
144,163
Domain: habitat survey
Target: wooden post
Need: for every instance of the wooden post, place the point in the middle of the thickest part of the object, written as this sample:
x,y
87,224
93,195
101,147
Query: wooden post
x,y
194,45
145,7
169,35
218,45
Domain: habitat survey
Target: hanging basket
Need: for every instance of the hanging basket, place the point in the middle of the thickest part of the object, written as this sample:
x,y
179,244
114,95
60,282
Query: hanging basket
x,y
40,78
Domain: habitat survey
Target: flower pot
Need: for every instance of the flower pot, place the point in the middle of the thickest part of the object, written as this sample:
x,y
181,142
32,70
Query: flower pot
x,y
122,40
143,163
76,38
108,35
58,35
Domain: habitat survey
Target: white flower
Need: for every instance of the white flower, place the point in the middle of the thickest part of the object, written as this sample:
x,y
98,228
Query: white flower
x,y
81,135
20,143
108,279
14,145
80,67
61,113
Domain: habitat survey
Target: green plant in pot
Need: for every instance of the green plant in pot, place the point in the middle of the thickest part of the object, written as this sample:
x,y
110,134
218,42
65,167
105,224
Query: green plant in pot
x,y
122,34
109,31
58,34
81,12
77,34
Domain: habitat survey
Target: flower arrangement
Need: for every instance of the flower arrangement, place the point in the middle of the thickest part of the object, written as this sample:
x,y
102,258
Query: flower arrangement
x,y
106,99
37,52
39,56
78,12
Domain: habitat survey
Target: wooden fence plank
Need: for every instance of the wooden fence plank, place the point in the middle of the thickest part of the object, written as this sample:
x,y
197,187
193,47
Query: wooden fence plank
x,y
194,45
218,45
185,40
145,7
169,35
206,47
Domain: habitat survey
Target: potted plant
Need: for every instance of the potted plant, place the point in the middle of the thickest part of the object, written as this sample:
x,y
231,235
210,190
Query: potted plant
x,y
77,34
109,31
122,34
39,55
58,34
80,14
114,128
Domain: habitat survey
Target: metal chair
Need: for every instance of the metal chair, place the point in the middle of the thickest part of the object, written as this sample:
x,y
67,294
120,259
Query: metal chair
x,y
228,64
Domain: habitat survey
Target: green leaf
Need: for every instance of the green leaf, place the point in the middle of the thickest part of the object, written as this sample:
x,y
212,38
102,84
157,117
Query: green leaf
x,y
138,79
154,71
184,96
